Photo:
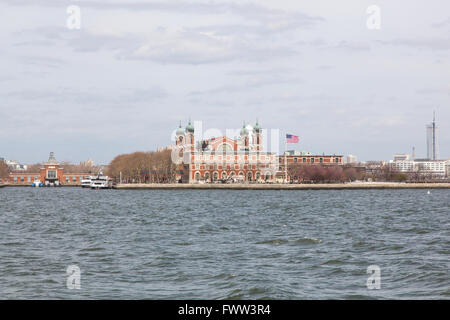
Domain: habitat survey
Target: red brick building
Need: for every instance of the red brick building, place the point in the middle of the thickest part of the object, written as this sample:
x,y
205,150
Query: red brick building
x,y
223,158
50,172
306,159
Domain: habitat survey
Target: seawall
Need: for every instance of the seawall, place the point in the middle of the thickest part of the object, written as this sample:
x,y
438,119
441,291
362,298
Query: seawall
x,y
334,186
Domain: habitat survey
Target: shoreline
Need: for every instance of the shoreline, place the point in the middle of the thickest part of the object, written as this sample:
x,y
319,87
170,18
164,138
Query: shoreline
x,y
324,186
331,186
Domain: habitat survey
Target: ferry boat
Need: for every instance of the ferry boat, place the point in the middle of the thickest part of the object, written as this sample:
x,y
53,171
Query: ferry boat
x,y
37,183
101,182
86,182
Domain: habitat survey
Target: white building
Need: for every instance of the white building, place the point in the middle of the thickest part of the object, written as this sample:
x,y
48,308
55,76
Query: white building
x,y
401,157
433,168
351,158
15,165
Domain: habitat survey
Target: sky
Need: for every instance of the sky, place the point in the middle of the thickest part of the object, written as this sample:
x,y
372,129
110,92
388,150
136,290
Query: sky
x,y
134,69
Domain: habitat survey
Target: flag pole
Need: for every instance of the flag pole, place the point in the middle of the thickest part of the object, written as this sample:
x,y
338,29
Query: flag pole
x,y
285,160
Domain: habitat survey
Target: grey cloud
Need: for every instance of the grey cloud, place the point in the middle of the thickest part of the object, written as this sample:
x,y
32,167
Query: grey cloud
x,y
251,11
442,24
42,61
247,86
352,46
422,43
88,97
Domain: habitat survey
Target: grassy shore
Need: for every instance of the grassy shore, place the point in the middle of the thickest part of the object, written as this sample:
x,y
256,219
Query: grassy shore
x,y
335,186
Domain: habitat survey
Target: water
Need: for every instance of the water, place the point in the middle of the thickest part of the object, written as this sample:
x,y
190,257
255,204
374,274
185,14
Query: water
x,y
224,244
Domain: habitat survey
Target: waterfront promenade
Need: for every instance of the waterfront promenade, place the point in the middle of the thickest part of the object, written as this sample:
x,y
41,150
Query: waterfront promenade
x,y
331,186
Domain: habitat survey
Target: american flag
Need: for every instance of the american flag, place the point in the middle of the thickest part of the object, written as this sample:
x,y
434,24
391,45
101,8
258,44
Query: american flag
x,y
290,138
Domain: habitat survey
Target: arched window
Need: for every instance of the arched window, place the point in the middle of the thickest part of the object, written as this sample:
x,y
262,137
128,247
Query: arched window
x,y
304,160
312,160
197,176
216,176
258,176
225,147
267,176
336,160
295,160
207,176
249,176
321,160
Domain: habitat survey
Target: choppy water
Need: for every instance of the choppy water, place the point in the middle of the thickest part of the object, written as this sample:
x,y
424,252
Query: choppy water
x,y
224,244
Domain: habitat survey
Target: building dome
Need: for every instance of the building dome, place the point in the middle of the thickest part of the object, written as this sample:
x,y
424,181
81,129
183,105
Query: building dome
x,y
190,127
257,127
244,130
180,131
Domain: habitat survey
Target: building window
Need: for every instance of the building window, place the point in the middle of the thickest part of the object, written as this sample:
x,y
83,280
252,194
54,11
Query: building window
x,y
304,160
67,179
15,179
74,179
312,160
51,174
336,160
22,179
295,160
29,179
321,160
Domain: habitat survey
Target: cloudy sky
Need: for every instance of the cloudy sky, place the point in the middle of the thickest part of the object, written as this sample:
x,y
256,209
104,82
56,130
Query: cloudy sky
x,y
135,68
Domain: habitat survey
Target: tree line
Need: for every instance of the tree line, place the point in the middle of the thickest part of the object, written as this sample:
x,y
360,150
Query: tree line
x,y
299,173
143,167
4,169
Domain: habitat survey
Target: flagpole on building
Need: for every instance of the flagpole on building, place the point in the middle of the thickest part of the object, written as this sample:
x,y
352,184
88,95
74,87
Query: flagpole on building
x,y
285,160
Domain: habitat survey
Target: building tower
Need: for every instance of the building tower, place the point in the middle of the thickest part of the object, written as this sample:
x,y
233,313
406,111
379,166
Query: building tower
x,y
257,138
244,139
180,136
190,143
432,140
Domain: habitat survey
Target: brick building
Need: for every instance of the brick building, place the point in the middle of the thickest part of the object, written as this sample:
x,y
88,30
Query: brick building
x,y
306,158
223,158
50,172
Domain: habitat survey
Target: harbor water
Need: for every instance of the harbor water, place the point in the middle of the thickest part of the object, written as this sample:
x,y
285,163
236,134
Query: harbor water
x,y
224,244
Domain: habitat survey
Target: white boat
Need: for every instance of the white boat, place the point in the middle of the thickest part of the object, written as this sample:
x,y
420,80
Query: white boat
x,y
86,182
101,182
37,183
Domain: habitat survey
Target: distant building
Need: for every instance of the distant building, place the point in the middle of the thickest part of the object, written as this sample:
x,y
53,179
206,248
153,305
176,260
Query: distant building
x,y
305,158
51,171
430,168
15,165
401,157
88,163
223,158
351,158
297,153
373,167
